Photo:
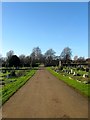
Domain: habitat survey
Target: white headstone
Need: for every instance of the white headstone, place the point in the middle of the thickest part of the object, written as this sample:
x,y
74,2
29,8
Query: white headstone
x,y
60,64
74,73
71,71
84,75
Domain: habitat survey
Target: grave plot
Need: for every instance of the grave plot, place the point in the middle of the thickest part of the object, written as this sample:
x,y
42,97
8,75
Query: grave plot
x,y
77,78
11,81
81,75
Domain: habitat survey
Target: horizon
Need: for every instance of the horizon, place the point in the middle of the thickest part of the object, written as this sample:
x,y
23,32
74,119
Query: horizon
x,y
47,25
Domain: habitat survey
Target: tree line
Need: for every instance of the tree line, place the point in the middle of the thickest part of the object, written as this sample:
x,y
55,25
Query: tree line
x,y
36,58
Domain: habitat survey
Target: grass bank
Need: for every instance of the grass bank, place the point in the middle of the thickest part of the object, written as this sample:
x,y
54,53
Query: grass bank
x,y
80,87
7,91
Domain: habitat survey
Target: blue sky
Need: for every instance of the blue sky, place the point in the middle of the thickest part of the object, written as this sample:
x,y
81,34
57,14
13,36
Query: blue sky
x,y
47,25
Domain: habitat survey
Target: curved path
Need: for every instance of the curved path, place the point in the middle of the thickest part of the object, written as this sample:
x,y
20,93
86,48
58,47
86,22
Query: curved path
x,y
44,96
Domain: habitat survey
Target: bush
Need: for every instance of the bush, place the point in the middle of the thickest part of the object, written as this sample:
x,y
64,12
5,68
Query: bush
x,y
20,73
35,65
78,74
8,70
82,68
78,68
61,68
87,69
13,73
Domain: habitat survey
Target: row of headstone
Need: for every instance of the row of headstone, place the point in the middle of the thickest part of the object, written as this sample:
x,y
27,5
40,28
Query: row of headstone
x,y
74,73
71,71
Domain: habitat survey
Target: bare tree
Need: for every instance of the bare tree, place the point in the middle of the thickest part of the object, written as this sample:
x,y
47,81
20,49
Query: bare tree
x,y
22,59
36,53
66,54
1,60
81,60
27,61
50,53
9,55
36,56
49,57
75,58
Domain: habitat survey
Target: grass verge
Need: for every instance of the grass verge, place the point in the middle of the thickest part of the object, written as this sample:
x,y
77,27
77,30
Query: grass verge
x,y
7,91
80,87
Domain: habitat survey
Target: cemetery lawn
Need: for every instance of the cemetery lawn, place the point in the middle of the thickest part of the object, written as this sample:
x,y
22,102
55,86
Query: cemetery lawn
x,y
9,89
80,87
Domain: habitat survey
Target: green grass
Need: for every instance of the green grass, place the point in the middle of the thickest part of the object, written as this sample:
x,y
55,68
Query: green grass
x,y
7,91
80,87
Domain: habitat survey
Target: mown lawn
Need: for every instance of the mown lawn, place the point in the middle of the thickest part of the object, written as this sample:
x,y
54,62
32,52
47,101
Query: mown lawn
x,y
80,87
8,90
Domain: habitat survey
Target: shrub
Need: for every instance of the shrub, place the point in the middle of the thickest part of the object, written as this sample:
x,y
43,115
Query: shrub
x,y
87,69
20,73
61,68
13,73
78,74
78,68
82,68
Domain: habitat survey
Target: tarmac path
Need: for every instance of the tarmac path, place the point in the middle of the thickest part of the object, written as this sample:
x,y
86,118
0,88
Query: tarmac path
x,y
44,96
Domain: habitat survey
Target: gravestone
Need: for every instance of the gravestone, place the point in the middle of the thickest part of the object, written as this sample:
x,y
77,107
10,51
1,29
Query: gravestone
x,y
71,71
85,75
60,64
8,76
74,74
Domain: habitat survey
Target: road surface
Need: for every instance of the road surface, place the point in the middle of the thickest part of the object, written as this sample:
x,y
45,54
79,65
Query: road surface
x,y
44,96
